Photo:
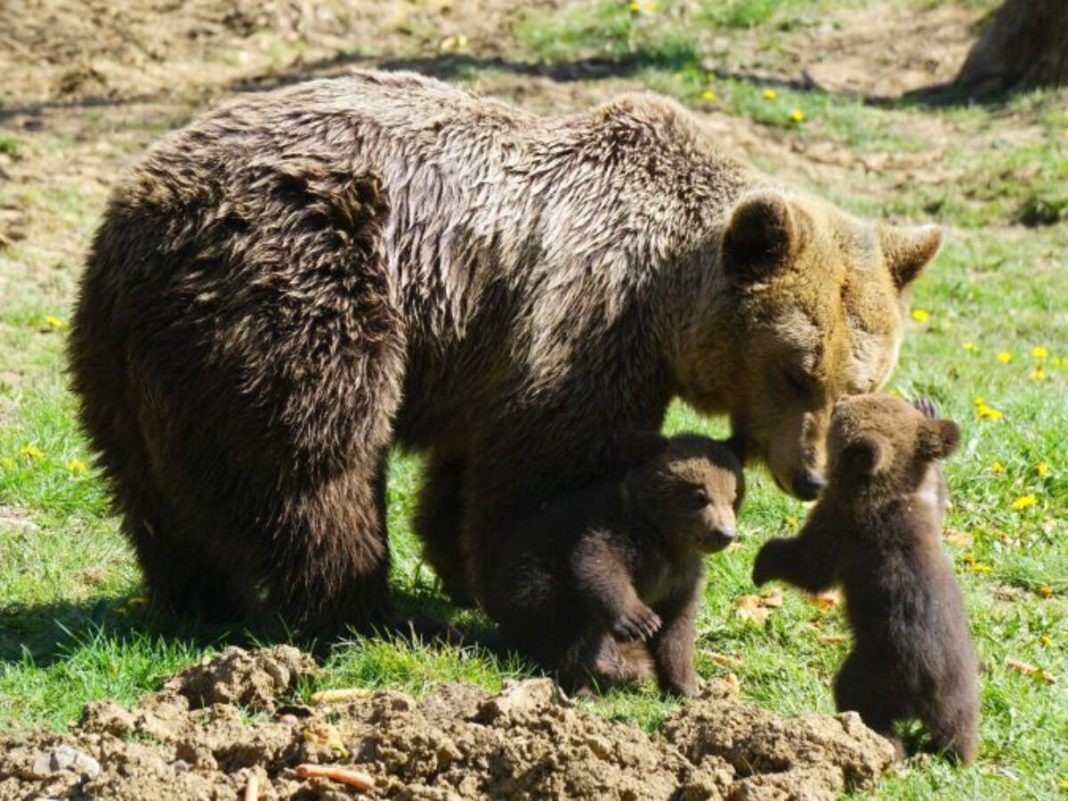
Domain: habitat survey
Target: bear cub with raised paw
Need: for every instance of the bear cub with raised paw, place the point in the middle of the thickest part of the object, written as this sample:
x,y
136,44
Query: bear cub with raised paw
x,y
609,578
876,531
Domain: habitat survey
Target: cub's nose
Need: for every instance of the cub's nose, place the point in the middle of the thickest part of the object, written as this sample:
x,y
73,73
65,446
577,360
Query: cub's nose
x,y
807,485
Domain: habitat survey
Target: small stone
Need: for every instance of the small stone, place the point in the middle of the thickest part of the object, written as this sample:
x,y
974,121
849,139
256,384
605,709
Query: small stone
x,y
67,758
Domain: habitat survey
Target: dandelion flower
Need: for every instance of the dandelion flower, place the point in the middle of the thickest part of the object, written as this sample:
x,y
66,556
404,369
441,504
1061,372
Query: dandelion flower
x,y
1056,361
770,94
708,95
54,322
1025,502
7,463
1038,374
77,467
921,315
650,7
797,115
985,412
32,453
1042,469
1040,351
1005,357
1046,640
791,521
971,347
997,468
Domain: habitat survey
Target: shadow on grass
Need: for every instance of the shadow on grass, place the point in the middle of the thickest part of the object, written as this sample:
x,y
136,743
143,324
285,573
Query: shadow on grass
x,y
50,633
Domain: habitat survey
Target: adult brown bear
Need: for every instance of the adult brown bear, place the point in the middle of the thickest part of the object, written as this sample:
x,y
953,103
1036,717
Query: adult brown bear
x,y
296,281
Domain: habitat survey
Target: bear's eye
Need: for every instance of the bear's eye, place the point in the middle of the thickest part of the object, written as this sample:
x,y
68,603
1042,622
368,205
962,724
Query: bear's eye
x,y
798,382
699,497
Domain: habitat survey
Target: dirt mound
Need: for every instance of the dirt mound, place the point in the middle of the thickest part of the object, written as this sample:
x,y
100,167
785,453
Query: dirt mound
x,y
190,740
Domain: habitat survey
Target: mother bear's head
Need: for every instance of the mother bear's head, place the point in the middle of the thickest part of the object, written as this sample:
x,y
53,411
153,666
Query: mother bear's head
x,y
805,304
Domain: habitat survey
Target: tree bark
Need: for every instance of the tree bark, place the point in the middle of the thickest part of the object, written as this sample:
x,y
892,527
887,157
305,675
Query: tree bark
x,y
1024,47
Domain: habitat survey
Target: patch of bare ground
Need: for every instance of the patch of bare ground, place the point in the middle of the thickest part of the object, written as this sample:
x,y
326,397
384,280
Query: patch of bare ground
x,y
190,740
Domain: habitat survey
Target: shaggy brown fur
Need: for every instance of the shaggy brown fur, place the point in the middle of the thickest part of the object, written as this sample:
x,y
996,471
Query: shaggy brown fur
x,y
621,560
300,279
877,531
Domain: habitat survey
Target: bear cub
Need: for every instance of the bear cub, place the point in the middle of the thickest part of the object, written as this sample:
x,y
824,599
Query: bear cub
x,y
607,577
876,531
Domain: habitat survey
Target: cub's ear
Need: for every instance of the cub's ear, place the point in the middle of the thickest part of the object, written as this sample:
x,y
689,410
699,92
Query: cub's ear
x,y
762,236
635,447
909,250
939,438
867,455
736,445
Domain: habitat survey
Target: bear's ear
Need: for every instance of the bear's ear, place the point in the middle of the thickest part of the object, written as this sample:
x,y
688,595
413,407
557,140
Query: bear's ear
x,y
634,447
909,250
867,454
761,236
939,438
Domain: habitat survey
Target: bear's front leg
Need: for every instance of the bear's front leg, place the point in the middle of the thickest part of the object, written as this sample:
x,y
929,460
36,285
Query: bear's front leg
x,y
673,646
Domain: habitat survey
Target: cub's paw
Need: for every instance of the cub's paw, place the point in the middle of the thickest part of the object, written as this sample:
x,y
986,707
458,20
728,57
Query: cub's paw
x,y
639,623
764,565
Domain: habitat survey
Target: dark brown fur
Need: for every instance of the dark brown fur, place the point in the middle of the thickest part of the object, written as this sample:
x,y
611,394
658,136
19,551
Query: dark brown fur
x,y
877,532
301,279
619,561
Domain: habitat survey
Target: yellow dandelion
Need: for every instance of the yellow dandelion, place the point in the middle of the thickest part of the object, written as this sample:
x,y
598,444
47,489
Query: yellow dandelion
x,y
54,322
791,521
985,412
797,115
1025,501
979,400
997,468
7,463
32,453
77,467
921,315
635,6
1042,469
1038,374
979,567
1046,640
770,94
1040,351
971,347
708,95
1005,357
1056,361
650,7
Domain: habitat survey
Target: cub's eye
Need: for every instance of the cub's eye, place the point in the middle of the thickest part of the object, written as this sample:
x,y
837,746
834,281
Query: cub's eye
x,y
699,497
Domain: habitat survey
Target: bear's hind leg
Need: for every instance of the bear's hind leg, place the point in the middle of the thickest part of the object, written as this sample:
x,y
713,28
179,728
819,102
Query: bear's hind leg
x,y
438,522
864,687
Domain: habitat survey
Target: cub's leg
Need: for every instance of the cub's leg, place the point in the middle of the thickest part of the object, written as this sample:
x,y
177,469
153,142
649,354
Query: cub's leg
x,y
438,521
952,725
601,577
866,688
673,645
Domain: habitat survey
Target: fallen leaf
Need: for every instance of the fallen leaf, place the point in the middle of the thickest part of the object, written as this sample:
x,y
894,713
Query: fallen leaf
x,y
833,639
1046,592
1029,670
726,660
772,598
829,598
958,538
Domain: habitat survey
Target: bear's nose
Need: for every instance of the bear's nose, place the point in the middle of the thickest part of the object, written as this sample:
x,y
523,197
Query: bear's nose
x,y
807,485
725,533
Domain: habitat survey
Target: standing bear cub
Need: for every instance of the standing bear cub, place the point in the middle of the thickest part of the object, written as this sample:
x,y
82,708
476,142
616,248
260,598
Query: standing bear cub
x,y
301,280
620,562
876,530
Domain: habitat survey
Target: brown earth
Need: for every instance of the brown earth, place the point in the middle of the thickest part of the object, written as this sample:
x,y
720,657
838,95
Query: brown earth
x,y
192,740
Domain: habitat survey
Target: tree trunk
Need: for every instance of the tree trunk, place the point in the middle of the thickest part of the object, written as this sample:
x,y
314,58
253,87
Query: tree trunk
x,y
1025,46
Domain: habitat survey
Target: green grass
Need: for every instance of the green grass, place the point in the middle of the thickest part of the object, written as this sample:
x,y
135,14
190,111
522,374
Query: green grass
x,y
73,629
